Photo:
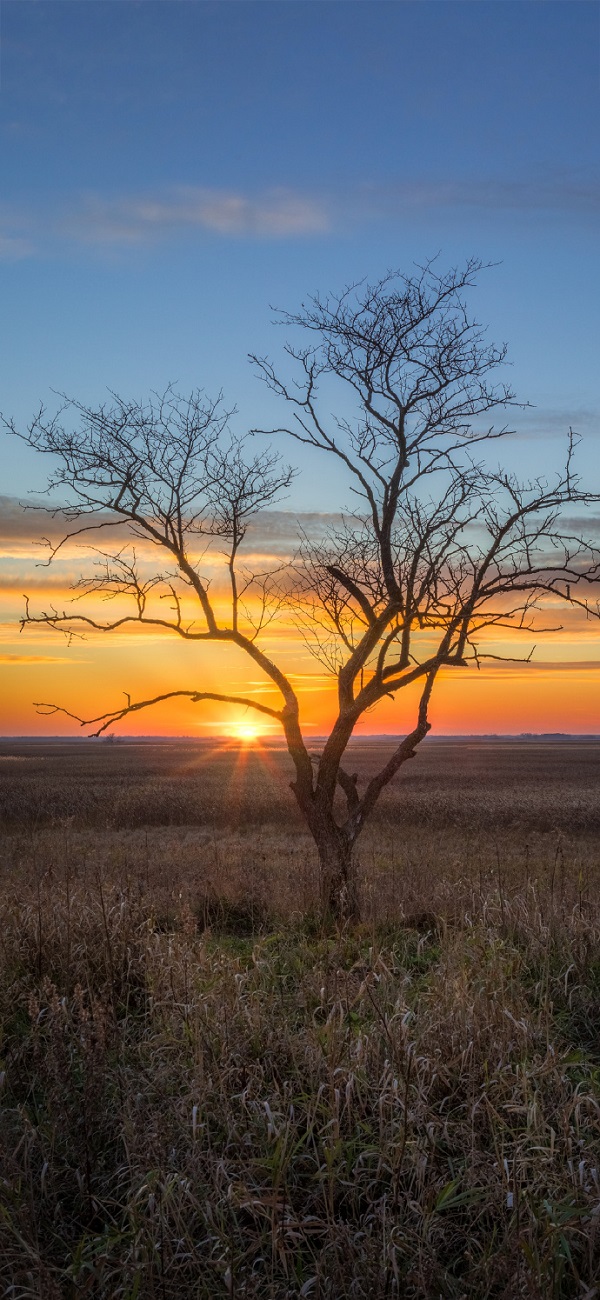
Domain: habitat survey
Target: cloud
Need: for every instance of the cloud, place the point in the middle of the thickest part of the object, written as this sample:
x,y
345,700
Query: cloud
x,y
20,661
278,532
275,532
586,670
585,525
16,228
280,213
559,193
274,214
272,538
540,423
543,665
14,242
18,524
23,526
13,248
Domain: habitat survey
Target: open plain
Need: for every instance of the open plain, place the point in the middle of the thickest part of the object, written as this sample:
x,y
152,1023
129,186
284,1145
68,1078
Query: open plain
x,y
207,1092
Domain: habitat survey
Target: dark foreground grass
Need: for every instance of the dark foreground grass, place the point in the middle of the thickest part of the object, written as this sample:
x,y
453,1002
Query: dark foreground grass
x,y
206,1094
265,1110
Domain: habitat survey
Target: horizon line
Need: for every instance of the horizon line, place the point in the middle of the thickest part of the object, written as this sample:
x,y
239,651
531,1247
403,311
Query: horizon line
x,y
111,737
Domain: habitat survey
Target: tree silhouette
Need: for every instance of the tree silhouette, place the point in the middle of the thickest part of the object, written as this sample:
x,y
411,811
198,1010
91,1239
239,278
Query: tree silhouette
x,y
438,547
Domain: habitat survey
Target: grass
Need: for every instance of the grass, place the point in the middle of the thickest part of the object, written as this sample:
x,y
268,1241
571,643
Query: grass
x,y
206,1094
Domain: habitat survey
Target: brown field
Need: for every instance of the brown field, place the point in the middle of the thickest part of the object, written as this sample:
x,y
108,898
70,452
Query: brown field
x,y
207,1094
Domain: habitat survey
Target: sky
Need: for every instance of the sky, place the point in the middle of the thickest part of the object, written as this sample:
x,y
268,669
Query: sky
x,y
172,171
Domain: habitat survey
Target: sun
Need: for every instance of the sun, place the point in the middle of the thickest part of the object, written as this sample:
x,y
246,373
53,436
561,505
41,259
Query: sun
x,y
246,733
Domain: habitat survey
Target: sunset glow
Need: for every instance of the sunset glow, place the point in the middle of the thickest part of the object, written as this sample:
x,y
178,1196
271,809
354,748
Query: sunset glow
x,y
246,733
140,245
299,648
559,690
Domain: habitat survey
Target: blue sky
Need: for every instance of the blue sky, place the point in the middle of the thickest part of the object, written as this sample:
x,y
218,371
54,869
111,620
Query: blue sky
x,y
169,169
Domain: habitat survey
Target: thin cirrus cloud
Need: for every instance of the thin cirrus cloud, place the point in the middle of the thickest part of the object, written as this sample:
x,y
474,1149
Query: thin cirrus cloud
x,y
30,661
275,532
13,248
542,423
567,194
275,214
286,214
25,524
15,235
280,213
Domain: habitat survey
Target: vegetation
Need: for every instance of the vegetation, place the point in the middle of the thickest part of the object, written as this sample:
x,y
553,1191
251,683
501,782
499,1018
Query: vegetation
x,y
207,1092
439,554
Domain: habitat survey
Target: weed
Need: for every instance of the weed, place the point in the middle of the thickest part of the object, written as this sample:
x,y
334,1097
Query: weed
x,y
206,1093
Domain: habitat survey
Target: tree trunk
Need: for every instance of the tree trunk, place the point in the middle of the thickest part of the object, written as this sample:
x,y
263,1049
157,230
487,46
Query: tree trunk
x,y
335,846
339,896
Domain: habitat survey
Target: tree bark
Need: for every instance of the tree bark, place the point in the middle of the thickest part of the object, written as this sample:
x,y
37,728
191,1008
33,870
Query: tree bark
x,y
338,884
335,844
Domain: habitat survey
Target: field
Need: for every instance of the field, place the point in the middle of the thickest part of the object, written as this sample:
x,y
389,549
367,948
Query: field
x,y
207,1093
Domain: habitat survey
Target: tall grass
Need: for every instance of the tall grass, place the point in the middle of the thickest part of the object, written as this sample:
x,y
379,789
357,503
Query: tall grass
x,y
470,784
206,1094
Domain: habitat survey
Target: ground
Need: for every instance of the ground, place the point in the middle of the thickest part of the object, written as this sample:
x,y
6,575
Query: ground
x,y
207,1093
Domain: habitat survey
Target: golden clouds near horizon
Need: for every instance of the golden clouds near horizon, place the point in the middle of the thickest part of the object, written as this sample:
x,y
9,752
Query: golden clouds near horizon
x,y
504,698
559,690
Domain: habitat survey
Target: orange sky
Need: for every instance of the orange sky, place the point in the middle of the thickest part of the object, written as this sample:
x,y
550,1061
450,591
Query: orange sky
x,y
559,691
145,244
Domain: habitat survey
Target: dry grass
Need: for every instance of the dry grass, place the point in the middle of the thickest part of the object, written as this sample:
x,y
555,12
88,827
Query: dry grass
x,y
470,784
205,1094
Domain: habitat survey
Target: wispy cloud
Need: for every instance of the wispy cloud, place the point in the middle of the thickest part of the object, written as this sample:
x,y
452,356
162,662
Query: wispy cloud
x,y
15,232
12,248
543,423
558,193
583,525
18,524
286,214
26,526
274,532
279,213
536,669
271,534
278,532
26,661
274,214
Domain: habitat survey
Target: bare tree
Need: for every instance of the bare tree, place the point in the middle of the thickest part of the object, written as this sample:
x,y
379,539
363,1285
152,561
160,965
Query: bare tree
x,y
439,547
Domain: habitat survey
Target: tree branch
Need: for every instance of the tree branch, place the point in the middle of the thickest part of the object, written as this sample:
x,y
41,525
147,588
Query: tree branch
x,y
116,715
